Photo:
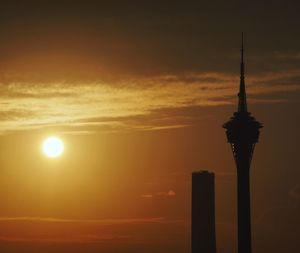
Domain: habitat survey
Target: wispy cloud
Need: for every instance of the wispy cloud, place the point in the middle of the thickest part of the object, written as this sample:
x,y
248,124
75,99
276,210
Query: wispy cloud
x,y
62,230
94,221
82,238
101,105
164,194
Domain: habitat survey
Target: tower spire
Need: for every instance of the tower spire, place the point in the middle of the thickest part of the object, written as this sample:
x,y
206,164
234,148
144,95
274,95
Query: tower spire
x,y
242,106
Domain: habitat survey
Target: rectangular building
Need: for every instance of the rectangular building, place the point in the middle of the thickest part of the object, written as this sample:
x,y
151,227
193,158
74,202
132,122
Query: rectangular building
x,y
203,212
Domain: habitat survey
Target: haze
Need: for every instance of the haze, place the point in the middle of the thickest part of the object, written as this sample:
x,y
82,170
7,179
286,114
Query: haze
x,y
139,92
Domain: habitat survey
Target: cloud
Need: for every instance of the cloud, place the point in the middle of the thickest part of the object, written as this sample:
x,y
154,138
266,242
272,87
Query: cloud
x,y
131,104
82,221
170,193
82,238
63,230
166,194
147,196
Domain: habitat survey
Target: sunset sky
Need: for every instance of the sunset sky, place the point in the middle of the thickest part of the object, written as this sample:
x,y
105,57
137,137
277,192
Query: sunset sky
x,y
138,92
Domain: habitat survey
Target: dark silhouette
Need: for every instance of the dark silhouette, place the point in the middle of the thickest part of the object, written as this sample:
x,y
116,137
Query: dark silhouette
x,y
203,212
242,132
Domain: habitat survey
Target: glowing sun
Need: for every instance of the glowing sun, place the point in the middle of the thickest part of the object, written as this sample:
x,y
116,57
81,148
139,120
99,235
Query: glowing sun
x,y
53,147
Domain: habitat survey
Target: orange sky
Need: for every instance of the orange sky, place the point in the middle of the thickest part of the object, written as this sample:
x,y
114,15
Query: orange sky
x,y
138,93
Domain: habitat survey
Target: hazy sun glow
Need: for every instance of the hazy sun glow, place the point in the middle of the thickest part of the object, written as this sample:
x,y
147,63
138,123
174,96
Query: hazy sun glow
x,y
53,147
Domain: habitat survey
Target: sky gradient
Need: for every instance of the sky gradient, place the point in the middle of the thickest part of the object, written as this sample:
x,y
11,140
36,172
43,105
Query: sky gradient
x,y
139,92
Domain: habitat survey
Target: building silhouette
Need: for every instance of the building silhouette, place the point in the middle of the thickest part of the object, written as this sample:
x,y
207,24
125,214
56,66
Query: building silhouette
x,y
203,212
242,132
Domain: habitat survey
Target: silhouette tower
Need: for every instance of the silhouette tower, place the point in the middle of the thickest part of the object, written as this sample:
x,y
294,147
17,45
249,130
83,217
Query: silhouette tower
x,y
203,212
242,132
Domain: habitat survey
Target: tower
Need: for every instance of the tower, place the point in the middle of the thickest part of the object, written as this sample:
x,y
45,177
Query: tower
x,y
242,132
203,212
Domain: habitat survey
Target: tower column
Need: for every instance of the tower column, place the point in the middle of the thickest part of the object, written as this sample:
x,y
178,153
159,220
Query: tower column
x,y
244,215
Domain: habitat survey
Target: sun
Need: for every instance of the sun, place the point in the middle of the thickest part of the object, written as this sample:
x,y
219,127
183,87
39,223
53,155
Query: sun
x,y
53,147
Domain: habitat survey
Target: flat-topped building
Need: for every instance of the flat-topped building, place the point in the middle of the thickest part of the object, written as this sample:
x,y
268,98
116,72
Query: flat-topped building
x,y
203,212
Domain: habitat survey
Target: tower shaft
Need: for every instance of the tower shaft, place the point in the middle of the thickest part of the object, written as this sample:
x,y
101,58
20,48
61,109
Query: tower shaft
x,y
244,215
